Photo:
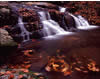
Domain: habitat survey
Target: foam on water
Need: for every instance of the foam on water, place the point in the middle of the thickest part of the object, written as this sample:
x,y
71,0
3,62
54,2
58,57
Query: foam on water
x,y
87,27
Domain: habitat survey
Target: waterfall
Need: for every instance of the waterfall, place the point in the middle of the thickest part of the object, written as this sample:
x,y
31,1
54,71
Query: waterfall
x,y
49,26
82,23
77,21
24,33
62,9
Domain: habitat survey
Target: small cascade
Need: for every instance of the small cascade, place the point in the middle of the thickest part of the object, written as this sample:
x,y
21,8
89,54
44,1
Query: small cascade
x,y
77,21
83,21
62,9
50,27
24,33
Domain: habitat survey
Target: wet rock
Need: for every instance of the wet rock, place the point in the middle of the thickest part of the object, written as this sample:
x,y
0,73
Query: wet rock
x,y
54,14
17,38
37,34
30,18
69,21
58,17
72,10
32,26
65,21
14,30
7,17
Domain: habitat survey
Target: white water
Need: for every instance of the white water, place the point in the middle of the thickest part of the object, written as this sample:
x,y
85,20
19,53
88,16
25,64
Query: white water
x,y
78,23
50,26
24,33
62,9
87,27
82,23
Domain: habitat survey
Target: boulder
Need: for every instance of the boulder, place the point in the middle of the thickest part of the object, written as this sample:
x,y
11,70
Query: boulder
x,y
6,39
64,19
7,44
7,17
69,21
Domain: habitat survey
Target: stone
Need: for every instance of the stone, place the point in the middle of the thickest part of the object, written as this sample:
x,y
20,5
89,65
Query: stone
x,y
58,17
7,17
31,19
6,39
43,5
69,21
5,10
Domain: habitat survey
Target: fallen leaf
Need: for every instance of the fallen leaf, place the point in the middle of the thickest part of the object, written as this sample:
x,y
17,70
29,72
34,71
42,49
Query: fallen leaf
x,y
47,68
20,76
27,66
8,72
78,69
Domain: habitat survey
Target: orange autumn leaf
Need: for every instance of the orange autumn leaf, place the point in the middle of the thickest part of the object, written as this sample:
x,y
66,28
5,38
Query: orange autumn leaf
x,y
27,66
37,74
13,71
26,52
67,73
20,76
78,69
6,26
2,73
26,70
11,76
26,62
48,68
8,72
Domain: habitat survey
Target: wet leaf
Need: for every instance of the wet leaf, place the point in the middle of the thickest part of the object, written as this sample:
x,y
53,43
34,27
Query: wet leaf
x,y
78,69
27,66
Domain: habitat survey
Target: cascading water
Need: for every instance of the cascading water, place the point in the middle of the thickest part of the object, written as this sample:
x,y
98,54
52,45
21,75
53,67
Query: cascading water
x,y
62,9
24,33
49,26
82,23
78,23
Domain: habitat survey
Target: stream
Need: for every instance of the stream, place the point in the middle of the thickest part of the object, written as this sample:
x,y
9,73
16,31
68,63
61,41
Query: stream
x,y
81,43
